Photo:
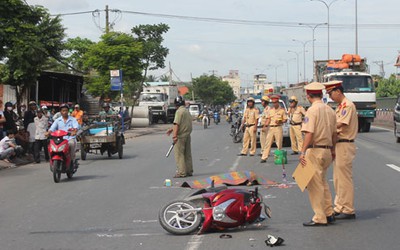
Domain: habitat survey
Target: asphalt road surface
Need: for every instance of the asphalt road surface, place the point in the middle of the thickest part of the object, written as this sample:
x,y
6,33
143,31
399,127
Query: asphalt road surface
x,y
114,204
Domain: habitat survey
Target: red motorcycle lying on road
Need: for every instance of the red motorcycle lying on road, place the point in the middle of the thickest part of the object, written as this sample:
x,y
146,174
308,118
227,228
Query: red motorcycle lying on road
x,y
60,159
212,208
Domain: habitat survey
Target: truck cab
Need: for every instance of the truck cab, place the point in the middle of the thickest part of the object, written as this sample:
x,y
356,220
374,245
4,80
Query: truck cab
x,y
359,88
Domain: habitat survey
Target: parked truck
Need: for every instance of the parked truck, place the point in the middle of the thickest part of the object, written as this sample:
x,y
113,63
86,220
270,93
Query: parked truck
x,y
298,91
357,83
159,98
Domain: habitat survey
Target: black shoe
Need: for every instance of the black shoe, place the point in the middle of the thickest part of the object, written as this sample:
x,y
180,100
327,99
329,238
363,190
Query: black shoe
x,y
263,161
295,153
314,224
241,155
251,155
331,219
259,154
342,216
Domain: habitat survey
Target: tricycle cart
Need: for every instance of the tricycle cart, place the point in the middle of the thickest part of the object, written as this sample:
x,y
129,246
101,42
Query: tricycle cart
x,y
102,137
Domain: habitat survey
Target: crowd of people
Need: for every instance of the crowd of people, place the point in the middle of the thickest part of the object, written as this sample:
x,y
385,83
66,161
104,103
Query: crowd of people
x,y
25,133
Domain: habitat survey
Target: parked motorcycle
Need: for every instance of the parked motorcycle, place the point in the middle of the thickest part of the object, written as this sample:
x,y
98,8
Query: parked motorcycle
x,y
236,130
213,208
217,118
60,159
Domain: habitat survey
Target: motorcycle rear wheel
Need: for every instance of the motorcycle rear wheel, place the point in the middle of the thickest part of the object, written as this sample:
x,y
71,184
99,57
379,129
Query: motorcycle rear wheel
x,y
57,164
237,137
179,223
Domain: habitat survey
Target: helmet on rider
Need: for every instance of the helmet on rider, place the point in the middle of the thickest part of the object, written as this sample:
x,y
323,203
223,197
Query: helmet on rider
x,y
179,101
293,99
64,105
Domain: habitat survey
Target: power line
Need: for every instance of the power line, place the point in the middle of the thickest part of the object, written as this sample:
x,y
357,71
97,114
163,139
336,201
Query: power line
x,y
236,21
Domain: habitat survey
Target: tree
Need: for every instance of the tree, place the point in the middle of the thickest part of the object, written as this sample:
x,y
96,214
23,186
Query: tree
x,y
212,90
114,51
75,49
151,78
28,38
153,53
388,87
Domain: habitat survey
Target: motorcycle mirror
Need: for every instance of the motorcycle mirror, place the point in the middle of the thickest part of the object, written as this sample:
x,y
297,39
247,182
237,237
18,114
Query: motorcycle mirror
x,y
212,184
256,192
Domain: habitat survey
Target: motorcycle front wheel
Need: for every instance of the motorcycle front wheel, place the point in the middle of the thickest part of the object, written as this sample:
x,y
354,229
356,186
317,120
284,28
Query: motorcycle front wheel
x,y
237,137
57,165
175,220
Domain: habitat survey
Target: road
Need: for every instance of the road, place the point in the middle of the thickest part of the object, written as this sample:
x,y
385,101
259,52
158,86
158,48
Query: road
x,y
113,203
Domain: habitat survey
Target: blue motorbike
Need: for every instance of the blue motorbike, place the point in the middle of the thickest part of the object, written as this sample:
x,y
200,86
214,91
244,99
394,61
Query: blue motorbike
x,y
217,118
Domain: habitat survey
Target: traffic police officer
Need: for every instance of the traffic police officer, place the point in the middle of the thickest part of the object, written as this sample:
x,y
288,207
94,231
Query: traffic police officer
x,y
276,117
264,129
296,114
347,126
319,127
250,121
181,138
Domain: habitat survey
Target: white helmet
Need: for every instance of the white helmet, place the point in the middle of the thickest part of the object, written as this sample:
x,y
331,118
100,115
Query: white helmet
x,y
44,107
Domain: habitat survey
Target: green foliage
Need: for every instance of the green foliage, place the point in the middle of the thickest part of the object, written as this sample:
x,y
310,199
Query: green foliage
x,y
28,38
114,51
213,90
75,49
388,87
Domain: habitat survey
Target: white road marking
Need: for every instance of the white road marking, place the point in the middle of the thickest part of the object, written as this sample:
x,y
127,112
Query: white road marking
x,y
194,242
390,130
213,162
125,235
144,221
392,166
235,164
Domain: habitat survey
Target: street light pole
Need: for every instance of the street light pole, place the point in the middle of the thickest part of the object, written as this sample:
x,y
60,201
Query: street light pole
x,y
356,29
304,56
287,69
297,58
327,7
313,42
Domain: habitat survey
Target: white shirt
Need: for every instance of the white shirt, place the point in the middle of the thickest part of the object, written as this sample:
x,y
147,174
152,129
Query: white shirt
x,y
4,143
41,125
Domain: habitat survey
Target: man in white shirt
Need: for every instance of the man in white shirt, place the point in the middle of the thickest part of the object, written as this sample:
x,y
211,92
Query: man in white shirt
x,y
41,124
8,146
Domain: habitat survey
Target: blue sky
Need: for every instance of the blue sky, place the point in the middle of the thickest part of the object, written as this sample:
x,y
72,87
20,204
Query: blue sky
x,y
198,47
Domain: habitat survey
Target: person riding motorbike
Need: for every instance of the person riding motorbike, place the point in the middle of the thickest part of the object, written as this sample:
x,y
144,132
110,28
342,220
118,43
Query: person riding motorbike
x,y
206,113
229,113
106,113
69,124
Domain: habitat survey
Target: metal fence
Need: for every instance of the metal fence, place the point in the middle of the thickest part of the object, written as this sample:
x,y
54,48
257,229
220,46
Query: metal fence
x,y
385,103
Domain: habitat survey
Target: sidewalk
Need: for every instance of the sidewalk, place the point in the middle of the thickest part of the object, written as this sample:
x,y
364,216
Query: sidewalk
x,y
17,162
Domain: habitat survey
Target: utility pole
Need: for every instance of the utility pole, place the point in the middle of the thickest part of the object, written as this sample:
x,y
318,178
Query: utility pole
x,y
213,72
191,79
170,74
381,68
107,20
357,29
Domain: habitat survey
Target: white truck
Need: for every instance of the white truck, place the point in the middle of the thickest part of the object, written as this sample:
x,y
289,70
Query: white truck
x,y
159,98
357,83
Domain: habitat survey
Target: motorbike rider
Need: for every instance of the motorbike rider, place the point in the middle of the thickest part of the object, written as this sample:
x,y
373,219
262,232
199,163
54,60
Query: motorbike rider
x,y
229,112
206,113
106,112
69,124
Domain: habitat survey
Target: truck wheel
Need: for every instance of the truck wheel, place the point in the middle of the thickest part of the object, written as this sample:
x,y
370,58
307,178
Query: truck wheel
x,y
367,127
165,120
83,152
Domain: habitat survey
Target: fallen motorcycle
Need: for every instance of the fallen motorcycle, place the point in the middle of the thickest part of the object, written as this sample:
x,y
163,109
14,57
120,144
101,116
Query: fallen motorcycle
x,y
212,208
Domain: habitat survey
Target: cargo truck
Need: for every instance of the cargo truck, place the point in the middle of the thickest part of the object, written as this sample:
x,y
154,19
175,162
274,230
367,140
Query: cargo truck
x,y
357,83
159,98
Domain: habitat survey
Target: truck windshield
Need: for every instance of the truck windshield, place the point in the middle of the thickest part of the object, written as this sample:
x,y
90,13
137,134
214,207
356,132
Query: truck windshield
x,y
151,97
355,83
